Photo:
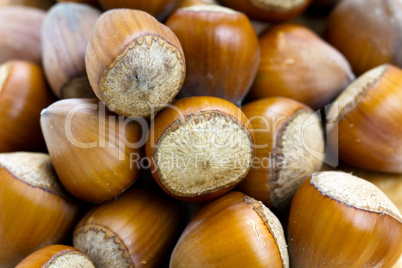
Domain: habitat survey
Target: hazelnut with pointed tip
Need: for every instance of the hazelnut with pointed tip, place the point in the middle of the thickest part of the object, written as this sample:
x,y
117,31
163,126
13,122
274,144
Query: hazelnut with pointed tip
x,y
35,210
92,149
232,231
292,56
343,221
65,36
364,121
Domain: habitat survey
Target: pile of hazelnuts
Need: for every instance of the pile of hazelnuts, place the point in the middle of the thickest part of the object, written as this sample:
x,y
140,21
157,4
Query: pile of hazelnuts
x,y
200,133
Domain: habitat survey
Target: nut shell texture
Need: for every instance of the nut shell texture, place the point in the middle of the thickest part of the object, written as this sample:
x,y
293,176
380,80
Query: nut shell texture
x,y
343,221
289,144
269,10
221,49
200,147
91,148
23,94
368,32
135,65
157,8
367,115
65,36
56,256
297,64
135,230
232,231
34,209
20,33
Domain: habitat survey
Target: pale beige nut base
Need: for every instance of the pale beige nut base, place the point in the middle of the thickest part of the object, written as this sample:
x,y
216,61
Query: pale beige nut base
x,y
203,153
354,192
35,169
70,259
274,226
279,5
144,78
295,147
102,246
353,94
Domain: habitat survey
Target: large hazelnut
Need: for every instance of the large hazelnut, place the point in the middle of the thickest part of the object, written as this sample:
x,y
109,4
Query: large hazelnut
x,y
221,49
134,63
65,36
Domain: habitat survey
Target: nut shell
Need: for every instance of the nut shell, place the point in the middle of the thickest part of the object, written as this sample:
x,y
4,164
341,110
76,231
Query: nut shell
x,y
368,32
23,94
65,36
200,148
160,9
134,63
56,256
297,64
219,44
343,221
35,211
365,120
137,229
20,34
269,10
232,231
289,145
91,148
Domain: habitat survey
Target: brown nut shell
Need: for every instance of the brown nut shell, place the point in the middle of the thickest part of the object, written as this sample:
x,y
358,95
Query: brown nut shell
x,y
368,33
269,10
20,33
91,148
160,9
137,229
232,231
365,121
200,148
292,56
343,221
221,49
65,36
56,256
134,63
35,211
23,94
289,145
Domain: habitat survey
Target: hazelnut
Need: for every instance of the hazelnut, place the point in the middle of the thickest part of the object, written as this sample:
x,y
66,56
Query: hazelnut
x,y
134,63
65,36
297,64
339,220
200,148
220,44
